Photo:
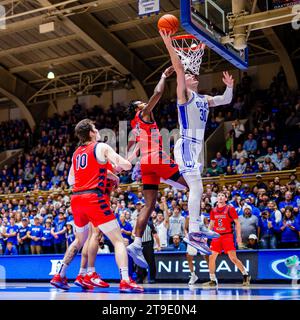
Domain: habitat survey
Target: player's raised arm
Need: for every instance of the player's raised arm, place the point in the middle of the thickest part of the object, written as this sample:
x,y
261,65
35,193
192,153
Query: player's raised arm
x,y
227,95
104,152
182,96
158,91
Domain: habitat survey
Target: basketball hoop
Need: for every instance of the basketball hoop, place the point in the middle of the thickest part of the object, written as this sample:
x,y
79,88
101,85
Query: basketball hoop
x,y
190,50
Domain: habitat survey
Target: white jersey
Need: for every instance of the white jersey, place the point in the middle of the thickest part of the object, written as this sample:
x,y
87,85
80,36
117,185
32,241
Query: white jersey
x,y
192,117
162,235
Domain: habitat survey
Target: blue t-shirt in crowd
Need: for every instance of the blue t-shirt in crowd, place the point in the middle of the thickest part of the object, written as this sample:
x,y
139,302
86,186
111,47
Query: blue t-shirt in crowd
x,y
36,231
12,252
297,201
181,247
10,230
263,224
70,237
57,228
22,233
48,236
289,235
127,227
132,197
284,204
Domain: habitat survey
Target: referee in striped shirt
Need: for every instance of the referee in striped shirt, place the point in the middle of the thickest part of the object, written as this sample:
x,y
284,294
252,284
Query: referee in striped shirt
x,y
149,235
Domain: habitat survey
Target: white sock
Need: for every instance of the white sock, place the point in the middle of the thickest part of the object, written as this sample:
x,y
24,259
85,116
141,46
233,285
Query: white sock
x,y
194,202
63,269
91,270
83,271
245,273
137,242
193,273
212,277
124,273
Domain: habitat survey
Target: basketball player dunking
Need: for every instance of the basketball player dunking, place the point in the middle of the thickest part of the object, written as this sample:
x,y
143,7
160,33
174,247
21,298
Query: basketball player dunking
x,y
155,164
193,109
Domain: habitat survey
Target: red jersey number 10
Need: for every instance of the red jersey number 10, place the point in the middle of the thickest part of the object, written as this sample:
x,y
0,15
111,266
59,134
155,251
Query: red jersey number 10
x,y
81,161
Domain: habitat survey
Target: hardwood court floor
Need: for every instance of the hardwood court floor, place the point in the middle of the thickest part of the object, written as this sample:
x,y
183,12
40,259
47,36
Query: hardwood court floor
x,y
170,291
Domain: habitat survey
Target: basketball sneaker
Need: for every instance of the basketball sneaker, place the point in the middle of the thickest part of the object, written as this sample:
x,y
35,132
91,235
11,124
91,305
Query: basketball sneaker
x,y
246,280
209,234
59,282
193,279
210,284
130,286
94,280
196,240
136,253
79,282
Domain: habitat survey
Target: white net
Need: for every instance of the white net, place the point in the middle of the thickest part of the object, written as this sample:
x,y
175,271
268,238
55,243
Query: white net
x,y
190,50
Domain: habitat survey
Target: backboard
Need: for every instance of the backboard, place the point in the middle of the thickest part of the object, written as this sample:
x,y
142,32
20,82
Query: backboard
x,y
207,20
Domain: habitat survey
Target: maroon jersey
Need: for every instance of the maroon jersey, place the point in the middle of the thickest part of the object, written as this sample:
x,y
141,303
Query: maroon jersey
x,y
88,172
223,219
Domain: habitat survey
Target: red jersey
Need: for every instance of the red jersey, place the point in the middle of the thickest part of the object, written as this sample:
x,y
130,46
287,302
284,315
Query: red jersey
x,y
148,135
223,219
88,172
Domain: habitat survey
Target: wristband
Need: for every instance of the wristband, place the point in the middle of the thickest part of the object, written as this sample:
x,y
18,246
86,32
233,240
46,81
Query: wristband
x,y
163,76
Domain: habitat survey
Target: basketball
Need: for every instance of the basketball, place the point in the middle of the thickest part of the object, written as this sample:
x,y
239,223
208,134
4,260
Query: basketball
x,y
169,23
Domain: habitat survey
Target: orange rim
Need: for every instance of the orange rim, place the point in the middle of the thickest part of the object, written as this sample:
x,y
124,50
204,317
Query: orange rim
x,y
199,46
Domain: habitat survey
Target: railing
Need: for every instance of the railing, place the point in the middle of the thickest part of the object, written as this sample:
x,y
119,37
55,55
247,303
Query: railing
x,y
221,180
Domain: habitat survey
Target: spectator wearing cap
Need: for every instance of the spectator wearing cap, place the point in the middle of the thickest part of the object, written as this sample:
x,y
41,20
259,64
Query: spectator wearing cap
x,y
249,223
12,232
214,169
250,202
35,233
136,212
252,242
289,229
47,238
266,231
221,161
23,240
59,234
250,145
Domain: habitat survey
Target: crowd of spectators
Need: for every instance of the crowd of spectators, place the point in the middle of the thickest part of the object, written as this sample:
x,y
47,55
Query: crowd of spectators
x,y
268,213
269,141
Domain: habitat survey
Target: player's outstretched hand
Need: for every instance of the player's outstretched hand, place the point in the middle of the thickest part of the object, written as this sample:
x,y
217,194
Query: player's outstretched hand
x,y
166,37
227,79
169,71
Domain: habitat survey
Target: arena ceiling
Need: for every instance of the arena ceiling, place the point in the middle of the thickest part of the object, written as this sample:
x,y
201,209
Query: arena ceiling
x,y
95,46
